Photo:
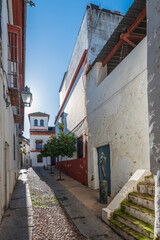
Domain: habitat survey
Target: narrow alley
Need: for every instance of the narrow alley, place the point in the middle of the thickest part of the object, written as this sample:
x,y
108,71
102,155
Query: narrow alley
x,y
57,213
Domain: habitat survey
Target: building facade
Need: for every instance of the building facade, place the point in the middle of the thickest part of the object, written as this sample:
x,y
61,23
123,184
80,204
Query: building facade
x,y
117,104
40,132
12,68
153,53
25,151
96,28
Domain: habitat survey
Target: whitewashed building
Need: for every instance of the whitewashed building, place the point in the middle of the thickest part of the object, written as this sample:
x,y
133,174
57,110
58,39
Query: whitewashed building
x,y
117,103
12,80
40,132
96,28
25,151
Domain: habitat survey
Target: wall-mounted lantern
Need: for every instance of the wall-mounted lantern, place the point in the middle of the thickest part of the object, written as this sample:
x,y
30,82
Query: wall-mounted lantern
x,y
26,96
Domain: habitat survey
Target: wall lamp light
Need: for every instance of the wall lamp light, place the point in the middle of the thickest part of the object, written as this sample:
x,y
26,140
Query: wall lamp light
x,y
26,96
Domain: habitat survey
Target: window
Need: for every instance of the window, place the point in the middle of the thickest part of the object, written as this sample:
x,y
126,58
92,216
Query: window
x,y
35,122
39,144
14,55
41,122
39,159
80,147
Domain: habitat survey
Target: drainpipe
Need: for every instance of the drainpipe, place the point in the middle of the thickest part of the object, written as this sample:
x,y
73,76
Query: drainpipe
x,y
5,172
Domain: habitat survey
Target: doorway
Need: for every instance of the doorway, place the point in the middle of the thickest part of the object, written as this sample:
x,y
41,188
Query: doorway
x,y
104,165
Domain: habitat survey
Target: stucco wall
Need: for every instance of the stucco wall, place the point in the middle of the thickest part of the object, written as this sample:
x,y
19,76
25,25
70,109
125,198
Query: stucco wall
x,y
74,109
45,127
96,28
7,126
100,25
33,155
117,114
153,82
80,45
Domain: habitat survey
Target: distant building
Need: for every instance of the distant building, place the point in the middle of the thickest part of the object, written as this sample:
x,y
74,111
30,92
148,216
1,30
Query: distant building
x,y
25,151
40,132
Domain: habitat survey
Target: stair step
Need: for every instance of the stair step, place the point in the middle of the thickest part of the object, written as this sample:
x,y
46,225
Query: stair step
x,y
143,200
139,212
126,232
149,179
135,224
146,188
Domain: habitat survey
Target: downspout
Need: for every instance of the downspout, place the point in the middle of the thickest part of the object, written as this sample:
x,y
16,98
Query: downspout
x,y
0,19
0,33
5,172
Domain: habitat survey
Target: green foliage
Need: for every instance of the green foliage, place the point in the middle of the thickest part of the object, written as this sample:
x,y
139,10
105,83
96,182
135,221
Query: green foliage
x,y
62,145
66,143
44,152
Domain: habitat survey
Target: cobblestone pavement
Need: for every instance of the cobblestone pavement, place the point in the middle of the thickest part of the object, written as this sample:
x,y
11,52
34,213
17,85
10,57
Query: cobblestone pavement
x,y
50,221
87,222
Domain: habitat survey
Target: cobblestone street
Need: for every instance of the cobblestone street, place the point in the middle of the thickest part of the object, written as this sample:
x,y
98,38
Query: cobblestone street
x,y
43,208
50,221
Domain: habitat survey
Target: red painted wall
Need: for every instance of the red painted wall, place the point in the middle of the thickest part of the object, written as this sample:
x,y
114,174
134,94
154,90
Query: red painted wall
x,y
76,169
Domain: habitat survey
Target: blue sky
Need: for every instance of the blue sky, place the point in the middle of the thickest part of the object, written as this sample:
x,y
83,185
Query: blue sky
x,y
52,29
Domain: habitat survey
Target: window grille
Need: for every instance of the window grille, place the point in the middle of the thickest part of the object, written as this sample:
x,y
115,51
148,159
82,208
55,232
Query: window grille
x,y
39,144
13,60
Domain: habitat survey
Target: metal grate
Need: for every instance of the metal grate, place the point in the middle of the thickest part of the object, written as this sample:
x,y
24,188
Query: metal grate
x,y
13,61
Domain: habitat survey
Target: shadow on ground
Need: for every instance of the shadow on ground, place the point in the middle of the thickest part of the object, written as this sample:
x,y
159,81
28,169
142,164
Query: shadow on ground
x,y
17,222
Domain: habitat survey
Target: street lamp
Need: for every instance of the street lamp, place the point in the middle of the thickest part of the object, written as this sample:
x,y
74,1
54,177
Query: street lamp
x,y
26,96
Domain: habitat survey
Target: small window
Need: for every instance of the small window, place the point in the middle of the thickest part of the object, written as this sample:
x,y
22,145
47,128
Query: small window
x,y
39,144
35,122
39,159
80,147
41,122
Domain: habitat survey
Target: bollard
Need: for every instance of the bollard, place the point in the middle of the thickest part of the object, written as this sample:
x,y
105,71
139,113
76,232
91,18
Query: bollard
x,y
103,191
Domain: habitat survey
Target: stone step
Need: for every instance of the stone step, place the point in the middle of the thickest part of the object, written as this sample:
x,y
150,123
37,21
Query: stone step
x,y
139,212
146,188
143,200
135,224
126,232
149,179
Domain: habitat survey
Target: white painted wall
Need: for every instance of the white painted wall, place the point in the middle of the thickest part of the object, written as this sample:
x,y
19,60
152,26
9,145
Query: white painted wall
x,y
100,25
33,138
80,45
45,127
25,154
74,110
117,114
7,126
95,30
33,155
